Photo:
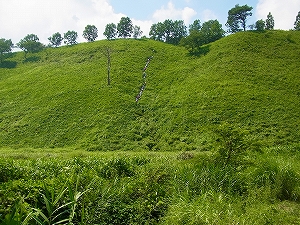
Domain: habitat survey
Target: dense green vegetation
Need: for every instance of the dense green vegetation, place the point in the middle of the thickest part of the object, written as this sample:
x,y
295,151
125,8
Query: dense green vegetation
x,y
149,188
214,138
60,97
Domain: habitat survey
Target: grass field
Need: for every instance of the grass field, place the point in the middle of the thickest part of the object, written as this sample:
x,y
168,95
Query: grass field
x,y
214,138
150,187
60,97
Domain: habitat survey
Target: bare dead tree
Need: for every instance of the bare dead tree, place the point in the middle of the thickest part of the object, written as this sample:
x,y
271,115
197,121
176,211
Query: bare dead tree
x,y
107,51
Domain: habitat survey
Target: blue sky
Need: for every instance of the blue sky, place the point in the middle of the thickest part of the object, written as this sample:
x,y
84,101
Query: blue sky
x,y
144,9
46,17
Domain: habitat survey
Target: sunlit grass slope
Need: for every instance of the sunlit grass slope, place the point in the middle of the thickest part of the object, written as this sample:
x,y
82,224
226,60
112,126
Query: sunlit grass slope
x,y
60,97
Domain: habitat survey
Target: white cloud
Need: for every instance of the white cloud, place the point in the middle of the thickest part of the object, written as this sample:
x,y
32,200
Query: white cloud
x,y
44,18
170,12
144,24
208,15
284,12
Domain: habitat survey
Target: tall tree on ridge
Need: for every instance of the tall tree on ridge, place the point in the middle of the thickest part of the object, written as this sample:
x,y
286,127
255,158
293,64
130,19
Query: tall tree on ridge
x,y
260,25
212,31
169,31
270,22
297,22
195,26
90,33
110,31
209,32
5,46
125,27
55,39
30,43
137,32
71,37
237,17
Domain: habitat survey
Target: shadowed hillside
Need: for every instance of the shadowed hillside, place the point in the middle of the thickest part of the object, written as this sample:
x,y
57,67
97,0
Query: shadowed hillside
x,y
60,97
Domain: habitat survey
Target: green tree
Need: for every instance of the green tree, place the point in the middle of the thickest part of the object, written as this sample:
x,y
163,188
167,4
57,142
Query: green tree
x,y
30,43
212,31
137,32
157,31
55,39
195,26
70,37
110,31
260,25
297,22
237,17
169,31
125,27
90,33
209,32
178,31
5,47
193,41
270,22
232,145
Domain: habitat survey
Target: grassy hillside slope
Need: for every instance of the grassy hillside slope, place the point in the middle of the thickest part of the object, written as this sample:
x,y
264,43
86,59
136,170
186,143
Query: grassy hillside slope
x,y
60,97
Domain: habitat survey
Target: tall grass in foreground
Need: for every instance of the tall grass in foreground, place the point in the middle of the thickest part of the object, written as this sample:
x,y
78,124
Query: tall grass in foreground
x,y
153,188
261,192
56,213
55,208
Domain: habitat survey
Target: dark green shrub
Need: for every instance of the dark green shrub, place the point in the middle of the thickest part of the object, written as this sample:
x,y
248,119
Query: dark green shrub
x,y
288,185
109,211
10,171
231,144
141,199
117,167
152,191
283,181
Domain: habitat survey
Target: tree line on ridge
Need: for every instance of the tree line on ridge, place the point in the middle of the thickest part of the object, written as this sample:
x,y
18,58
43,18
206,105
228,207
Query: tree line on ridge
x,y
169,31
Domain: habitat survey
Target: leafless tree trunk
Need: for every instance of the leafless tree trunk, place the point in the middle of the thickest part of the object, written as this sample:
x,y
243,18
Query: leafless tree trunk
x,y
107,53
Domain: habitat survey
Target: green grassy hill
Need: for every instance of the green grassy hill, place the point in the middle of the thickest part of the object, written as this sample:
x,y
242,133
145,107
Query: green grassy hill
x,y
60,97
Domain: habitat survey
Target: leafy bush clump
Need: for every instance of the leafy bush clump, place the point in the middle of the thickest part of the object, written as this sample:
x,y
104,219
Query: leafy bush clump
x,y
10,171
282,180
140,199
232,146
120,167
